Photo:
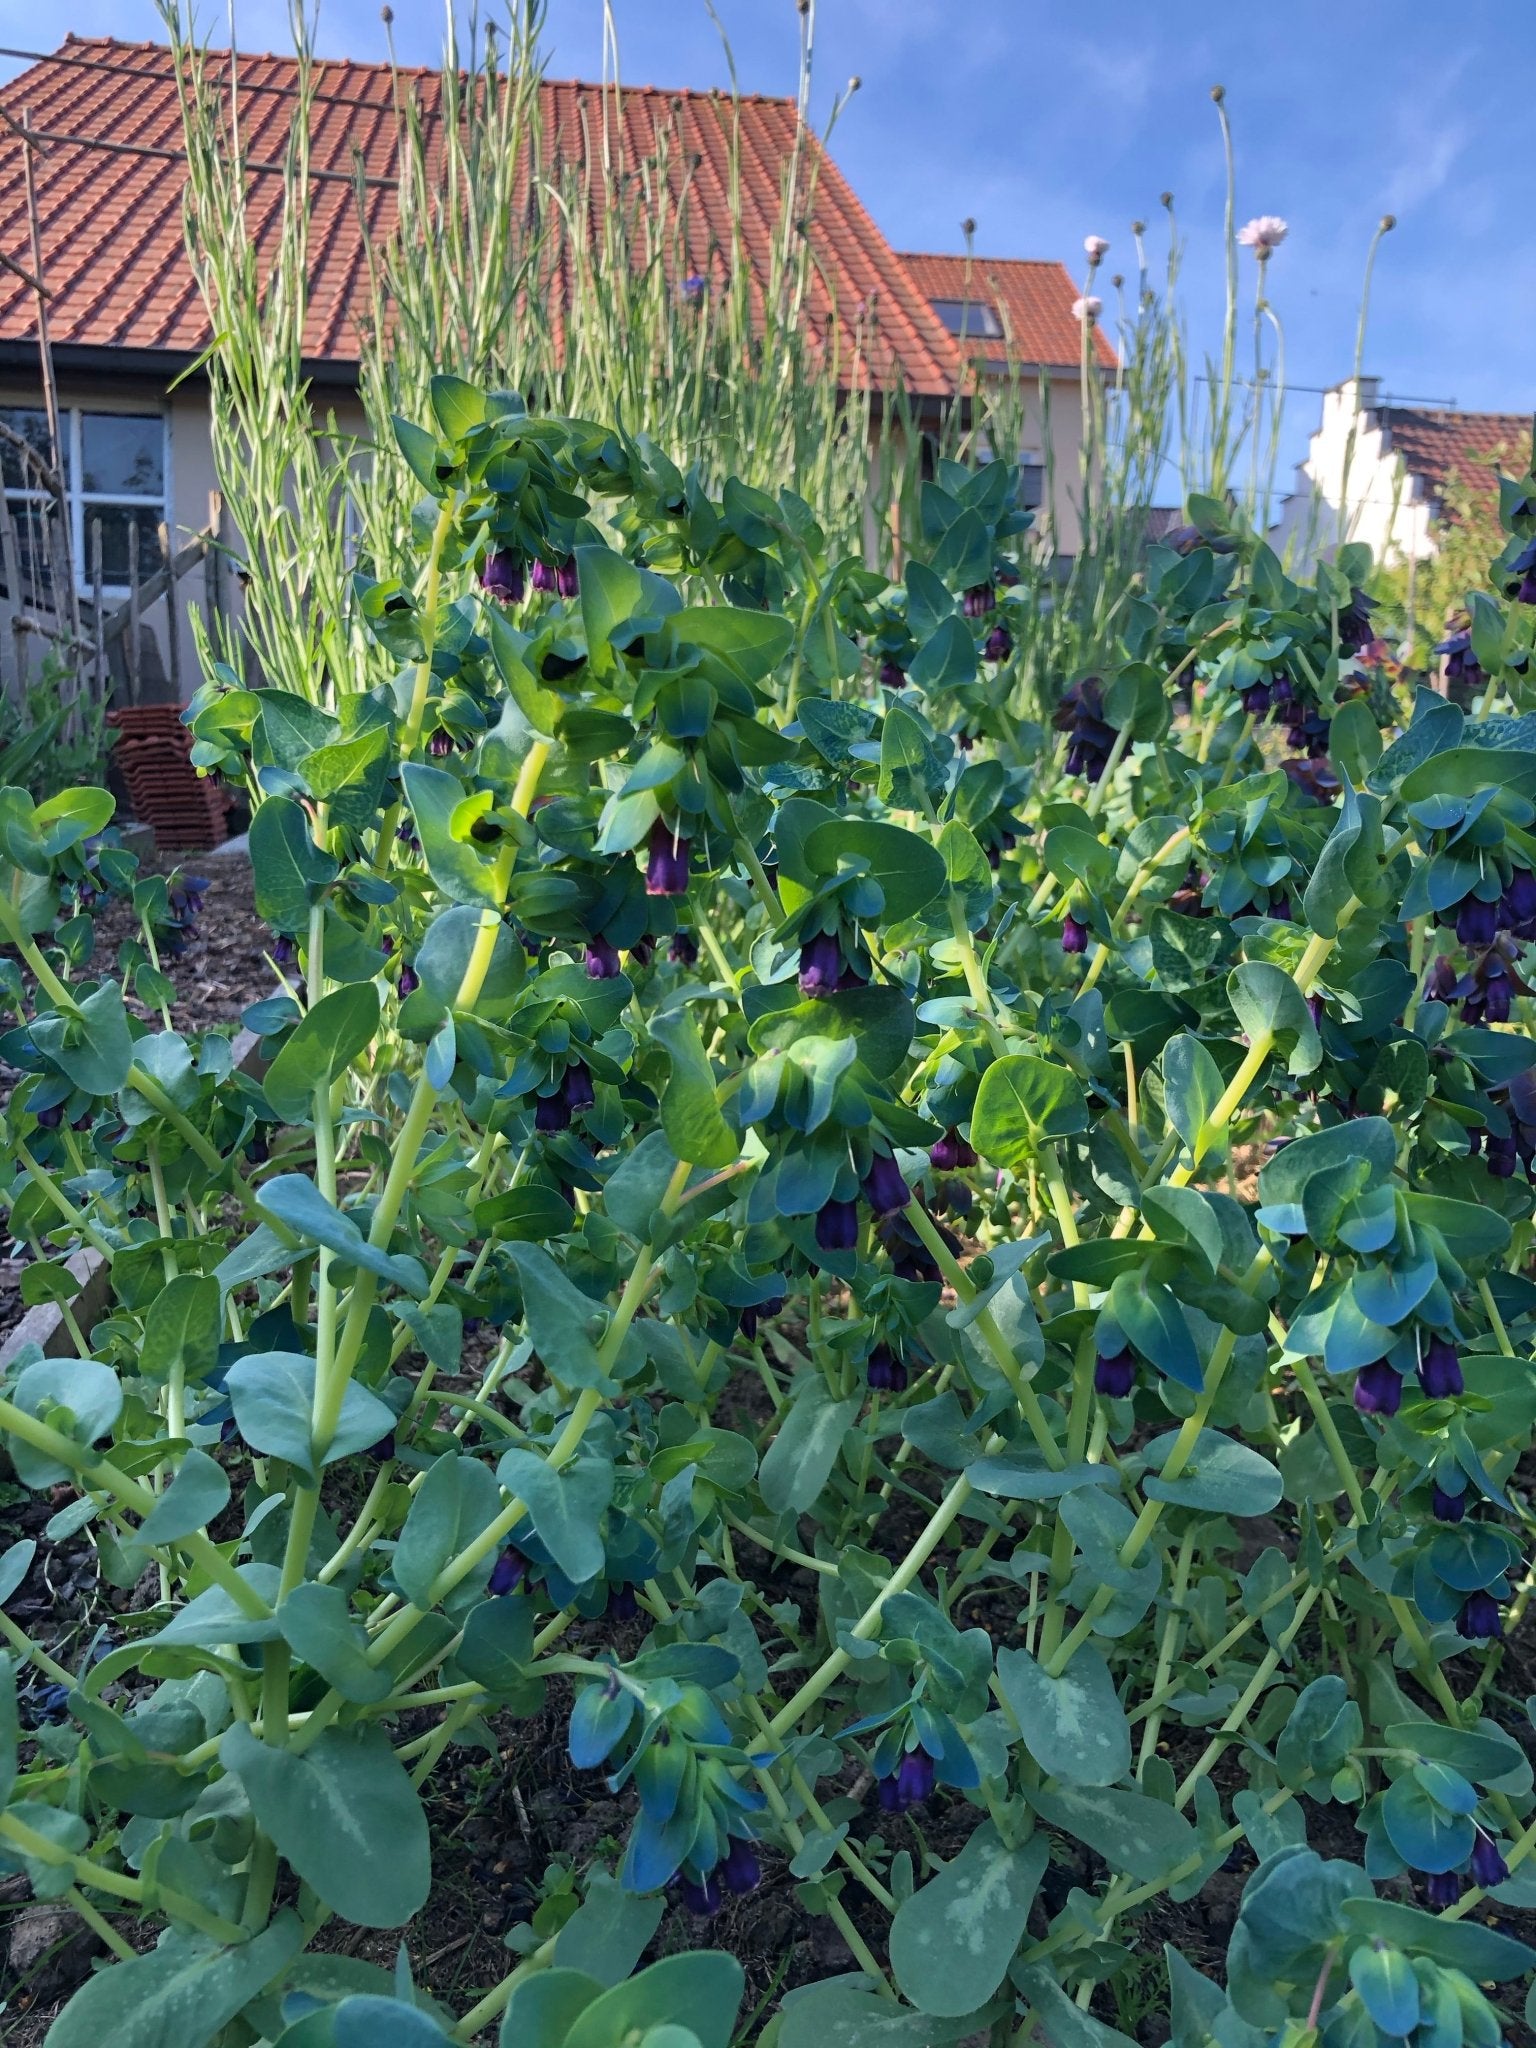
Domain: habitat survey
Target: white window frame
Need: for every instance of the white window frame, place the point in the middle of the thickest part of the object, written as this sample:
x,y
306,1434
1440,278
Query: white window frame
x,y
81,502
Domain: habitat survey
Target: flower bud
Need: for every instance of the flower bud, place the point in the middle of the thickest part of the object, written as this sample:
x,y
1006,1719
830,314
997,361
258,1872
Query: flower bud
x,y
506,1573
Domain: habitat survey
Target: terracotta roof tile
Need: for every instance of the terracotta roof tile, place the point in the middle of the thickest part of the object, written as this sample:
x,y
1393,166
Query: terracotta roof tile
x,y
1458,452
1033,302
112,229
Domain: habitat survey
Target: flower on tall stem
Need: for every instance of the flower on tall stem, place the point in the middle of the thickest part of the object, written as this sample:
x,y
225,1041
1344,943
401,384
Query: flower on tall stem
x,y
1263,235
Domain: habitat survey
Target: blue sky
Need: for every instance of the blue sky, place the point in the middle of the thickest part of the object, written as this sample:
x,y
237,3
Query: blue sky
x,y
1048,122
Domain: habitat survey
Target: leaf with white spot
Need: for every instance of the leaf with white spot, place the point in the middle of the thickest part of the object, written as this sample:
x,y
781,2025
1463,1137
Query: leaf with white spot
x,y
1073,1726
952,1942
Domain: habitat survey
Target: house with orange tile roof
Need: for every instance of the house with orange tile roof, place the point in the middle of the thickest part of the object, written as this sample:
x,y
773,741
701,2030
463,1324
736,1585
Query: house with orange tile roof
x,y
127,323
1015,319
1394,475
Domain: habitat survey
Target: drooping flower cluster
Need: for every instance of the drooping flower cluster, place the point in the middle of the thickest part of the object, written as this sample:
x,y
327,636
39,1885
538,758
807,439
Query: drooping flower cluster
x,y
1080,715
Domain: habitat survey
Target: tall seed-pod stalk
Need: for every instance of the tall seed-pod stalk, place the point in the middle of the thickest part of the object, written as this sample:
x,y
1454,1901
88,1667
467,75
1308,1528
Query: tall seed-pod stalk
x,y
285,471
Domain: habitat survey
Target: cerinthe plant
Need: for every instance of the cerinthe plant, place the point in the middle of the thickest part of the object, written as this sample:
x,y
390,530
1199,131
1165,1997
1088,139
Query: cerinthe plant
x,y
825,1083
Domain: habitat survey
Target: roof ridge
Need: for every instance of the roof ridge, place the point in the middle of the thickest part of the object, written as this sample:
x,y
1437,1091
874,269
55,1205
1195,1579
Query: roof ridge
x,y
959,256
1451,412
618,85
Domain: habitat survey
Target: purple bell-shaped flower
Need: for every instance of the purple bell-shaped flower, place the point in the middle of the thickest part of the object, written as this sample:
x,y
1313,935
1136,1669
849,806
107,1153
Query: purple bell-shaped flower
x,y
702,1896
666,867
1440,1370
552,1112
506,1573
821,965
885,1189
1114,1376
1378,1389
577,1087
884,1371
501,576
951,1154
1480,1619
739,1868
914,1778
837,1226
1477,922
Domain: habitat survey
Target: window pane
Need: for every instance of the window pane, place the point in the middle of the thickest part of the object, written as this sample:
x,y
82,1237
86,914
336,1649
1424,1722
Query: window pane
x,y
123,452
32,426
115,522
27,517
1031,484
968,318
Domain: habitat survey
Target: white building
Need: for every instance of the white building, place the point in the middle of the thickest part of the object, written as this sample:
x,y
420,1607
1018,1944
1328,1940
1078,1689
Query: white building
x,y
1392,475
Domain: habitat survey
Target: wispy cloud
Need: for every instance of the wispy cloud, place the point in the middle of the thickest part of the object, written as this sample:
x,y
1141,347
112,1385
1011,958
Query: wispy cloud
x,y
1117,77
1428,170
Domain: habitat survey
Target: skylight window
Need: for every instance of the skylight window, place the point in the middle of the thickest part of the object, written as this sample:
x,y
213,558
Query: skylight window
x,y
969,319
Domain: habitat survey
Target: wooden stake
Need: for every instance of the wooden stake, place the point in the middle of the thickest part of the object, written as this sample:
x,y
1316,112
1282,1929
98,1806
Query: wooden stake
x,y
133,611
213,565
173,623
69,608
10,557
99,632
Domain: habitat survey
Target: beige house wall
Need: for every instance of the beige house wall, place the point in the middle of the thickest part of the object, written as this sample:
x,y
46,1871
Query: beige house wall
x,y
189,479
191,483
1051,433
